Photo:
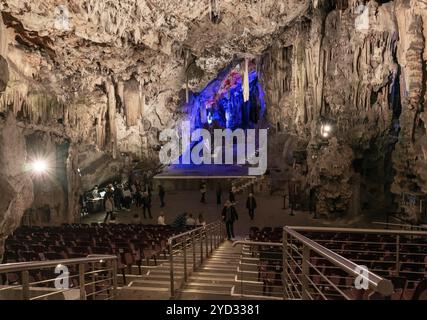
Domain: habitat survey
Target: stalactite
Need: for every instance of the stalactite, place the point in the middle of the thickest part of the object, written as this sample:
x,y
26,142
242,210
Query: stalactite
x,y
245,82
112,126
187,58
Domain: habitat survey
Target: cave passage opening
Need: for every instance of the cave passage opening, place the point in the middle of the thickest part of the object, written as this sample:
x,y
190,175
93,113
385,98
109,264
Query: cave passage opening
x,y
221,105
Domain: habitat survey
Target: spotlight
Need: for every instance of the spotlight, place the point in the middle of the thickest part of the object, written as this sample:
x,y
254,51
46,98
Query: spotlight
x,y
39,166
327,128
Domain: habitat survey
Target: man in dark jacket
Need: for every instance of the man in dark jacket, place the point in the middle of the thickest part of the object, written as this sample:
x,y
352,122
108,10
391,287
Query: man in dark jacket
x,y
118,196
146,204
162,196
218,194
251,205
229,216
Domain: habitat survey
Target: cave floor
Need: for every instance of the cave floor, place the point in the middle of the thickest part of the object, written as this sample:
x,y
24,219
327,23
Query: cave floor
x,y
270,212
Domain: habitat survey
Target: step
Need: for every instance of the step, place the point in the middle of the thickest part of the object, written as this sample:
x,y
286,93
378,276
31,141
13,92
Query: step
x,y
220,269
210,285
200,278
215,275
140,283
210,292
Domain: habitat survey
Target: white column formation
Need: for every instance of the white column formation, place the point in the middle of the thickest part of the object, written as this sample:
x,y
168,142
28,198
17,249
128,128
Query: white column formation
x,y
245,82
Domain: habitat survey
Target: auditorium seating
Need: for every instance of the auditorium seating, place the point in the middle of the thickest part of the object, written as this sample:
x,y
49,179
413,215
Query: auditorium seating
x,y
133,244
376,251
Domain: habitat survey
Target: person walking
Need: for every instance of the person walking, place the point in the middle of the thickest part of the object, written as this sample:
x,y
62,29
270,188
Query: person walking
x,y
251,205
218,194
146,205
203,192
109,206
162,196
229,216
312,202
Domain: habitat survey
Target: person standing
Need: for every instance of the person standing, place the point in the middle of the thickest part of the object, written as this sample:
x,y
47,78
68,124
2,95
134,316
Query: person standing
x,y
312,202
229,216
146,205
118,196
218,194
203,192
109,206
162,196
251,205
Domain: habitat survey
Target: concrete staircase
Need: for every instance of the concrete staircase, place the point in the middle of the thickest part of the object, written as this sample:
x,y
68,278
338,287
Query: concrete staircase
x,y
215,279
228,273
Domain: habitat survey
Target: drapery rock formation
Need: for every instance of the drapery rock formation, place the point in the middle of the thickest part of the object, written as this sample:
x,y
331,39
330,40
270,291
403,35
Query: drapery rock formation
x,y
360,70
93,82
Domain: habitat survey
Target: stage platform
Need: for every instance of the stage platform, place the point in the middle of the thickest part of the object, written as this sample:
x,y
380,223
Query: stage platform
x,y
204,171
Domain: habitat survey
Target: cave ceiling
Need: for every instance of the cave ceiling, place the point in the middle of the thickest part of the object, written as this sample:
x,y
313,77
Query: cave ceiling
x,y
83,41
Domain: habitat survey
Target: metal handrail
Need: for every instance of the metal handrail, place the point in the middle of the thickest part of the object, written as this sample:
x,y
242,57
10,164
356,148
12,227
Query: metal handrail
x,y
32,265
26,286
410,226
257,243
355,230
189,232
209,236
376,283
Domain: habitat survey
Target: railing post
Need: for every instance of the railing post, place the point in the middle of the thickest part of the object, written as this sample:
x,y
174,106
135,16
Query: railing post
x,y
172,284
285,275
114,279
184,248
241,272
305,271
397,255
193,241
201,246
93,280
25,285
82,281
206,241
211,237
218,234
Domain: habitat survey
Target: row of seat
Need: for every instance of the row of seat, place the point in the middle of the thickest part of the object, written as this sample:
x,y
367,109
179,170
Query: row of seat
x,y
403,260
131,243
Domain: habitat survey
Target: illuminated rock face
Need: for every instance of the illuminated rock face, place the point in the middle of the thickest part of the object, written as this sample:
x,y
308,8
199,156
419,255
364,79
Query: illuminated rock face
x,y
96,81
17,188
